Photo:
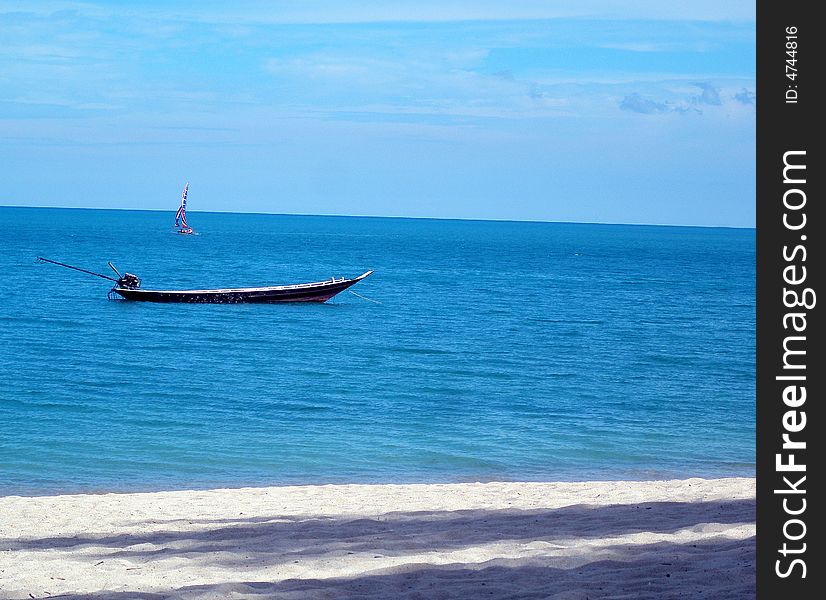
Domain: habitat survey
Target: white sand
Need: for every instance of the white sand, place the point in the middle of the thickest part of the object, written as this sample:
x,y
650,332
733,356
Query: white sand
x,y
565,541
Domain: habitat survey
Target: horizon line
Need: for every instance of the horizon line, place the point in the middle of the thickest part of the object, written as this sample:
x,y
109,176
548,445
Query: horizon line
x,y
229,212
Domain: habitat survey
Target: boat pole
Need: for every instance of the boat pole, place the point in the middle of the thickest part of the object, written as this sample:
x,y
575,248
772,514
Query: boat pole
x,y
60,264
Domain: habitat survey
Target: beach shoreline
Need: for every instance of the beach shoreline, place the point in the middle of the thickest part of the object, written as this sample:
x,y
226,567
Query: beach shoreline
x,y
566,540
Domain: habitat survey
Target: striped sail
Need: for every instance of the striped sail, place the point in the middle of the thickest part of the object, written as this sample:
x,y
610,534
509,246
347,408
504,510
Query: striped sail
x,y
180,216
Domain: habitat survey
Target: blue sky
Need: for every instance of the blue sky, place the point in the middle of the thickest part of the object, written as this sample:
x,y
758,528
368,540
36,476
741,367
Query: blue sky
x,y
632,112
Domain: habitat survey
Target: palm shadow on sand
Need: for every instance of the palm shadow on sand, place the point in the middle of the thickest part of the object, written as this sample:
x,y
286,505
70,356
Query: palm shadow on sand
x,y
712,568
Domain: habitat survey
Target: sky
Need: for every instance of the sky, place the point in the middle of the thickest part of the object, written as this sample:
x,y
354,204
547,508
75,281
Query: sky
x,y
590,111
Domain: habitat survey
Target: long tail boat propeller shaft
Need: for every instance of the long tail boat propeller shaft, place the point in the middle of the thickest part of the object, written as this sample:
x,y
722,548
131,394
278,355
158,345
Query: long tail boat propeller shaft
x,y
60,264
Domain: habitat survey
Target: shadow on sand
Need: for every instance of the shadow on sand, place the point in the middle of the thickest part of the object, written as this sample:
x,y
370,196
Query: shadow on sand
x,y
715,567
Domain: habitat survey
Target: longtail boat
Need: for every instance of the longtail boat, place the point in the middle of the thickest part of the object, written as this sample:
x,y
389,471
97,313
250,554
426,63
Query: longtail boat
x,y
128,286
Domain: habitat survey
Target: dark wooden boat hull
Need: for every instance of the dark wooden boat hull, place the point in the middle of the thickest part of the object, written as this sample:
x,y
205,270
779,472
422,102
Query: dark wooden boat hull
x,y
306,292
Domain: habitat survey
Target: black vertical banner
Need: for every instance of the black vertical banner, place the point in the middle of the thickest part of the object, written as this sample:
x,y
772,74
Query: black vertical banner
x,y
790,329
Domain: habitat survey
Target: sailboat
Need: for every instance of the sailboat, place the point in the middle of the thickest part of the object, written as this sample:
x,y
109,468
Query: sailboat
x,y
180,216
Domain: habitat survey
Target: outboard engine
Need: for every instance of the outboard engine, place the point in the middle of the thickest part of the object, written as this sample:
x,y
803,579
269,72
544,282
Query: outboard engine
x,y
129,281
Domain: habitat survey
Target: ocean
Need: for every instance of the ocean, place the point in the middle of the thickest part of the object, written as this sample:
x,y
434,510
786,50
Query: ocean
x,y
491,351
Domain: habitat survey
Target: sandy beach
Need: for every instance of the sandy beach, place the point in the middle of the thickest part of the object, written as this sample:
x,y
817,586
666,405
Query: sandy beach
x,y
659,539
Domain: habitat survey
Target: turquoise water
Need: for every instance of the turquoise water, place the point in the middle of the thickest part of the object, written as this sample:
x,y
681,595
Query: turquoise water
x,y
500,351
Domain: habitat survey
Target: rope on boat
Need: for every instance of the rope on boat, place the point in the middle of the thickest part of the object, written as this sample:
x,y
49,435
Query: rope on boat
x,y
364,297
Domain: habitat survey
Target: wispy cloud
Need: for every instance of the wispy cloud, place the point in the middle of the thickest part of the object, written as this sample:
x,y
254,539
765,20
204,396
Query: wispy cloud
x,y
710,95
659,46
636,103
249,12
682,99
745,96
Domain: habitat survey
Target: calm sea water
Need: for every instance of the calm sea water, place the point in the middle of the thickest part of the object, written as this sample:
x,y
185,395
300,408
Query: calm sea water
x,y
500,351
